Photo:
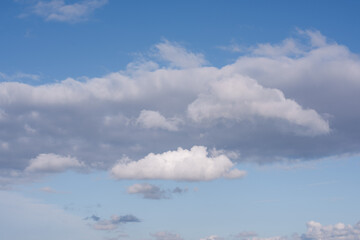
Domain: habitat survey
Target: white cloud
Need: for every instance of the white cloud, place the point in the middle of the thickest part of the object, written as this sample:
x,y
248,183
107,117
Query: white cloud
x,y
182,164
337,231
58,10
212,237
179,56
264,97
19,76
241,97
315,231
287,48
49,162
153,119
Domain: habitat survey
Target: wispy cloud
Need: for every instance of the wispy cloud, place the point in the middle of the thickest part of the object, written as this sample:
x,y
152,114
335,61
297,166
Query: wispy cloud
x,y
149,191
178,56
166,236
112,223
19,76
59,10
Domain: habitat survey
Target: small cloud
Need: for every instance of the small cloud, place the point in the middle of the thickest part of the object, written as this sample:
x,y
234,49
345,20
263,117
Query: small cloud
x,y
212,237
179,190
19,76
166,236
93,217
58,10
149,191
182,164
233,48
113,222
178,56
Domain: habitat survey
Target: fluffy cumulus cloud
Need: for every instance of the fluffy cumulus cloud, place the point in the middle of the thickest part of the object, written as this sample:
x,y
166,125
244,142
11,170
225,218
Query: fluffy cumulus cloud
x,y
241,97
59,10
52,163
150,191
182,164
293,100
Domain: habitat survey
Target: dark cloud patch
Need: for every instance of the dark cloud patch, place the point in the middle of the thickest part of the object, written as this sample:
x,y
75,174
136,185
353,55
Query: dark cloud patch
x,y
149,191
93,217
113,222
125,219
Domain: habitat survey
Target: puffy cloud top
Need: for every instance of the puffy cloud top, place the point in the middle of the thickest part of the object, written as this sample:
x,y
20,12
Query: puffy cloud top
x,y
49,162
182,164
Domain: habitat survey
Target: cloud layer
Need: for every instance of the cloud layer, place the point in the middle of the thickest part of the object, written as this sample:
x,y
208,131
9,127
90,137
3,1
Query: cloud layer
x,y
293,100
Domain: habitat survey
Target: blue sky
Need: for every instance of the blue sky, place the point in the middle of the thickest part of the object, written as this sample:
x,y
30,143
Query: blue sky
x,y
179,120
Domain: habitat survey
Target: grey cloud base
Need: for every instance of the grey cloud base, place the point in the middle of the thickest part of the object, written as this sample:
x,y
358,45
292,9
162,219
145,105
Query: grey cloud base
x,y
293,100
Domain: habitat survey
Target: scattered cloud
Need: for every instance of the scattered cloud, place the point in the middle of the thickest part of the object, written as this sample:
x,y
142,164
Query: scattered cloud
x,y
60,11
182,164
179,56
112,223
212,237
19,76
245,235
93,217
315,231
49,162
331,232
149,191
166,236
